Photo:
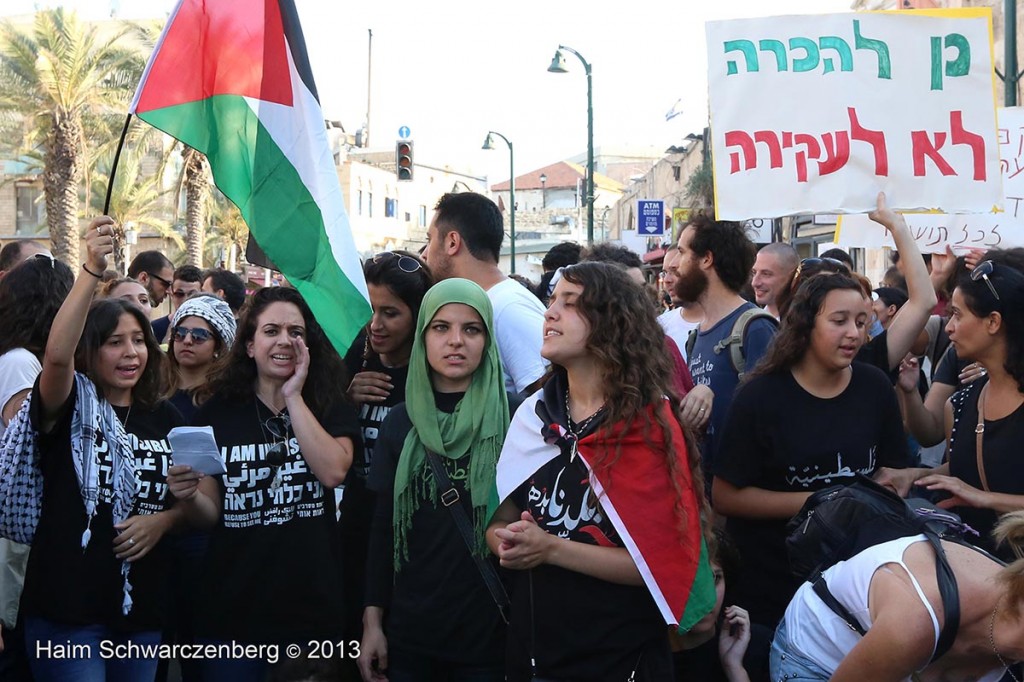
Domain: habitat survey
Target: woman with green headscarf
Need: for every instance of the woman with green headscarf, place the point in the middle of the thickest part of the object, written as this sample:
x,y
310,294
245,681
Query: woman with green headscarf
x,y
419,564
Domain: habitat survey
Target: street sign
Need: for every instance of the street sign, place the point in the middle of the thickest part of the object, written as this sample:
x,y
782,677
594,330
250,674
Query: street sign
x,y
650,215
404,133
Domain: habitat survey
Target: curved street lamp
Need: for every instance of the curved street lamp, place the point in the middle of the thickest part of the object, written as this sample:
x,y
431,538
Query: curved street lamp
x,y
489,144
558,66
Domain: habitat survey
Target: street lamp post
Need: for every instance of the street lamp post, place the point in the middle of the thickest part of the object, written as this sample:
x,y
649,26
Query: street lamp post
x,y
489,144
558,66
543,191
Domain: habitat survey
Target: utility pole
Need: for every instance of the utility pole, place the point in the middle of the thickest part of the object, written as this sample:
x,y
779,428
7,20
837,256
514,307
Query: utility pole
x,y
369,82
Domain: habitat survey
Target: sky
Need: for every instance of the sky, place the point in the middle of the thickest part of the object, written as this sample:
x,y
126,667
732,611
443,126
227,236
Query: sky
x,y
452,71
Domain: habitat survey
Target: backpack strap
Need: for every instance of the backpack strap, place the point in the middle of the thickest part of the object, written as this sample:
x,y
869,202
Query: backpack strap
x,y
948,592
736,338
691,341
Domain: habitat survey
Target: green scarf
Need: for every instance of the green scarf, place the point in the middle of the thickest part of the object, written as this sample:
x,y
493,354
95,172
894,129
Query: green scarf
x,y
477,425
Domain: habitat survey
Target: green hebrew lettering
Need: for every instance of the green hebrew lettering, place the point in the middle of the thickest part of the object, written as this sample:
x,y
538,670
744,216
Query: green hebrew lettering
x,y
879,47
811,60
749,52
779,49
840,46
960,66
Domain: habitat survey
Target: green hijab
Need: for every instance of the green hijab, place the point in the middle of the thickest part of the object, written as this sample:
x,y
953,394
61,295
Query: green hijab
x,y
476,427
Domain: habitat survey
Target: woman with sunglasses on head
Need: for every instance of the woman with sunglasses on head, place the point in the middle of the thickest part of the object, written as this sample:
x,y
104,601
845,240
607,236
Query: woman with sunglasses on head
x,y
97,569
982,477
30,296
273,565
602,494
130,290
808,417
379,364
455,417
202,331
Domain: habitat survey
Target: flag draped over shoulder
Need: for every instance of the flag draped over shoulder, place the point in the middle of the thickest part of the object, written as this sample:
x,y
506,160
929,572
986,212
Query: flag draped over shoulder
x,y
638,498
232,80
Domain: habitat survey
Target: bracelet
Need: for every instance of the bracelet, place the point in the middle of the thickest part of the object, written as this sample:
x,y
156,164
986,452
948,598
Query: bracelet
x,y
84,267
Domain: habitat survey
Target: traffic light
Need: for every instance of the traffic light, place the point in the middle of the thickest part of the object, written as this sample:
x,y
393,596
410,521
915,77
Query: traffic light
x,y
403,159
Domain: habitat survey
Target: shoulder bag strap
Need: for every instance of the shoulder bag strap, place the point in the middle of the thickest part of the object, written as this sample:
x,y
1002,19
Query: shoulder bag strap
x,y
450,499
979,437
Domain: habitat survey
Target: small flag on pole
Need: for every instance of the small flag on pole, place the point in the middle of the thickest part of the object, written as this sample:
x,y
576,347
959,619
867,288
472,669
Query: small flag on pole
x,y
676,109
233,80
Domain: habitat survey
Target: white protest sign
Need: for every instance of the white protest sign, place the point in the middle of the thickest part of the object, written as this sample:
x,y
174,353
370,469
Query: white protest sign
x,y
933,232
816,114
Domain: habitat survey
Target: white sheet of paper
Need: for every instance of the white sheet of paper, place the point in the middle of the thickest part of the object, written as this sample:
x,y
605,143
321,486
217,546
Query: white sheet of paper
x,y
196,447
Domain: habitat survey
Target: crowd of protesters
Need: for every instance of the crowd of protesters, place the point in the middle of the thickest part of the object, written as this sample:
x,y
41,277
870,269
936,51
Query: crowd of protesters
x,y
470,493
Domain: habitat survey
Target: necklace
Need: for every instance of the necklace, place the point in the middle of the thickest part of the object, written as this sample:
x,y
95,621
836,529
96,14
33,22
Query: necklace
x,y
574,434
992,641
128,414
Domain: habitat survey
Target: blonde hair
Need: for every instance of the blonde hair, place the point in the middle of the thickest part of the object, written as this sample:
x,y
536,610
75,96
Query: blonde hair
x,y
1010,531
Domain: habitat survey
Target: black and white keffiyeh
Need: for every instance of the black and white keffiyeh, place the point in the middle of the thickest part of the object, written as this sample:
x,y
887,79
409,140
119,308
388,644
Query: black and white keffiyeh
x,y
91,417
21,479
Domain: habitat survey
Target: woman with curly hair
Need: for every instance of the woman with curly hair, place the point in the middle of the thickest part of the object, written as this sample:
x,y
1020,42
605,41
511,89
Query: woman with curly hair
x,y
602,494
982,476
272,568
809,417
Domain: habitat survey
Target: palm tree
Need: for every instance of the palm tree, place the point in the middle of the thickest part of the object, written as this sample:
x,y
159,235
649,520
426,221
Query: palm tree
x,y
195,182
228,229
61,79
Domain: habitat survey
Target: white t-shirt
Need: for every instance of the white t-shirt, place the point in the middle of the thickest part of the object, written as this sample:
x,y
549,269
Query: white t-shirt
x,y
519,330
18,371
677,328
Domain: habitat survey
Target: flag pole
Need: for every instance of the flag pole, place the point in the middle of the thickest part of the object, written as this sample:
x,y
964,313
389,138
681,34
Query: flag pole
x,y
113,168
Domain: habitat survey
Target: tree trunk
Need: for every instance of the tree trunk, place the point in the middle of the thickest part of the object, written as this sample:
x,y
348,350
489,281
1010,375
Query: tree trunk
x,y
197,189
61,179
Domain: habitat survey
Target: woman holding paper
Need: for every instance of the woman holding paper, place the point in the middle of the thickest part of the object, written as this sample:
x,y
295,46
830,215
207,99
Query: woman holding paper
x,y
273,569
97,568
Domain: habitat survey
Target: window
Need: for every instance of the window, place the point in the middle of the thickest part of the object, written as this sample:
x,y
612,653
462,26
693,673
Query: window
x,y
31,209
675,173
369,204
423,216
390,207
408,217
359,202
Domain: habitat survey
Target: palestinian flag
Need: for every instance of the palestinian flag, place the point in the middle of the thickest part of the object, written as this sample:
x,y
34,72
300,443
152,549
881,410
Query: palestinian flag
x,y
636,494
232,80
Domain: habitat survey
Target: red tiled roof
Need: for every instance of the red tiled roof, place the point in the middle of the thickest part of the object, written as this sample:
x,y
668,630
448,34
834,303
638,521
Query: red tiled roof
x,y
561,175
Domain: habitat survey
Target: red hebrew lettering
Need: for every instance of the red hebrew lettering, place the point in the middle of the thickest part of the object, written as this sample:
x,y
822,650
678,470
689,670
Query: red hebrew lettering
x,y
770,138
923,146
746,145
811,151
876,138
837,154
973,140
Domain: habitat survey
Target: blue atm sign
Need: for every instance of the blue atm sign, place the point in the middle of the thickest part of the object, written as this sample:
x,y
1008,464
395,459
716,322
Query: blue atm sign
x,y
650,215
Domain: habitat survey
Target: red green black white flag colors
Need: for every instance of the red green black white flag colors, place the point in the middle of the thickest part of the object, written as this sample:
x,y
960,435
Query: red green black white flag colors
x,y
232,80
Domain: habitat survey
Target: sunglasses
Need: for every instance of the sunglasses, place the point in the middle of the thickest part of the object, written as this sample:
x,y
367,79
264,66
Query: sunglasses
x,y
199,335
406,264
47,256
981,271
166,282
819,265
278,426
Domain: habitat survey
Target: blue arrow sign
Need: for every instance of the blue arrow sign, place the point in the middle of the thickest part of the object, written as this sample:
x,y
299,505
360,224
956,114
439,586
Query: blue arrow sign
x,y
404,132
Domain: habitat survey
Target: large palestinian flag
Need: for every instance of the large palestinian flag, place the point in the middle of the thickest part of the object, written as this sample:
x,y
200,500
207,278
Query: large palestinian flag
x,y
231,78
635,494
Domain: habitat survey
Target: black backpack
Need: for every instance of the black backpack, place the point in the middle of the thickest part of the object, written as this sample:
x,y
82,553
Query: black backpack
x,y
838,522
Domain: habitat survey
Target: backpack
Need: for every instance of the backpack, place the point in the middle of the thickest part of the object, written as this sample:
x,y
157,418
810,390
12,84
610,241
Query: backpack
x,y
840,521
734,341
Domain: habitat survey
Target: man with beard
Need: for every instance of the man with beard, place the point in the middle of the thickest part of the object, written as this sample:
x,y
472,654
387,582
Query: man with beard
x,y
464,240
715,260
684,316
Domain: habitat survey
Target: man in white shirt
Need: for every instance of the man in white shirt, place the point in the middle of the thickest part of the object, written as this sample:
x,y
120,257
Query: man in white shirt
x,y
464,240
686,315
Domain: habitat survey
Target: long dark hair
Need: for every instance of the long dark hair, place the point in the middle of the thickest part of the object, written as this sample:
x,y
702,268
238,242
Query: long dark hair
x,y
104,316
1009,282
327,375
30,296
794,336
629,346
385,269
